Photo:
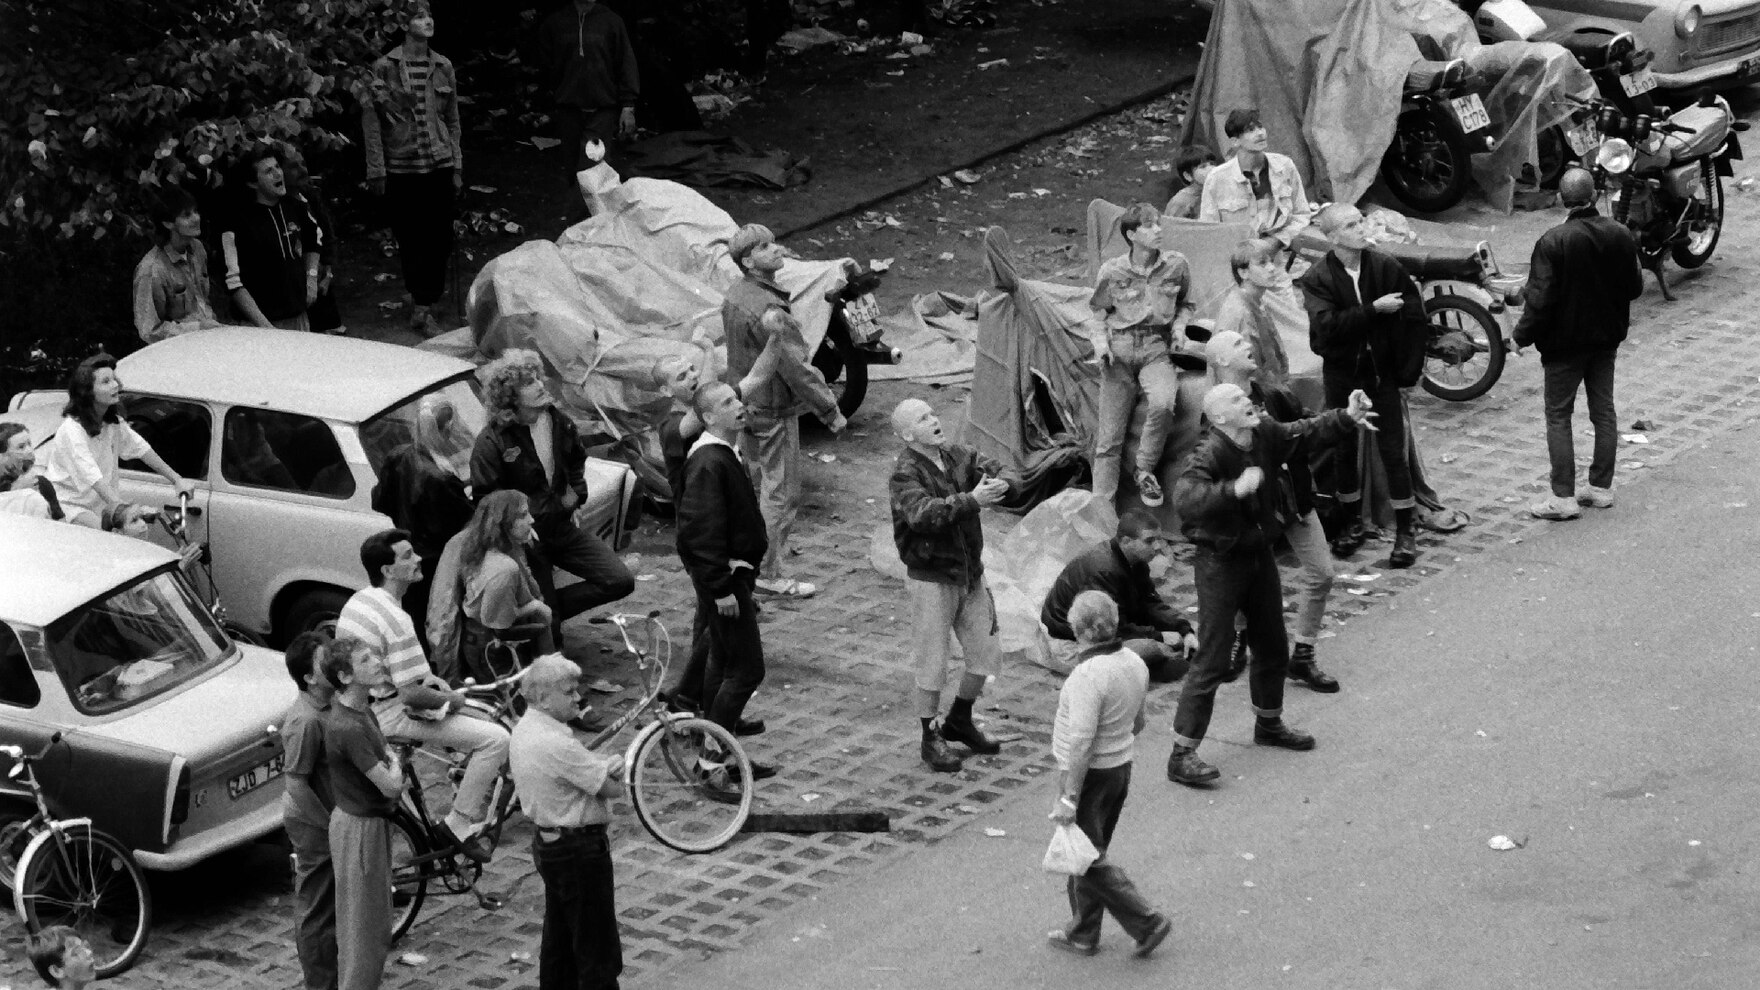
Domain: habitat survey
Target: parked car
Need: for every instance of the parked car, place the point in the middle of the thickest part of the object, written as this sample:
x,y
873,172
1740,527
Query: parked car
x,y
284,434
1695,42
169,728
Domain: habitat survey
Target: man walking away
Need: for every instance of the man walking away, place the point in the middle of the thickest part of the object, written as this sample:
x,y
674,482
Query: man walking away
x,y
1584,276
566,789
938,489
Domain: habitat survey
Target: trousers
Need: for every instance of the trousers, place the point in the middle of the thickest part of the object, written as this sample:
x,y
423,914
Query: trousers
x,y
1140,366
1390,440
314,891
1313,579
562,544
421,207
1240,581
360,852
485,741
1105,887
580,948
736,655
773,447
1594,372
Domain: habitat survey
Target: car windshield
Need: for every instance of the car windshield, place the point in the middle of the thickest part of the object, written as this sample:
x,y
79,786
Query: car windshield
x,y
447,417
135,643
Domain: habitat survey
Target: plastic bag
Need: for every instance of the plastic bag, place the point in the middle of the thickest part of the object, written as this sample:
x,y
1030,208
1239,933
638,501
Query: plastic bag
x,y
1070,851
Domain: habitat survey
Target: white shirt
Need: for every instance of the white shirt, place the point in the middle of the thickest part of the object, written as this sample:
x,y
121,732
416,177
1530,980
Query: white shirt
x,y
708,439
544,442
76,462
1356,275
24,502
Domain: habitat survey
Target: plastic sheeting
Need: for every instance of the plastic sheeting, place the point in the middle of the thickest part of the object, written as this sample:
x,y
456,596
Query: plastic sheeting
x,y
1332,71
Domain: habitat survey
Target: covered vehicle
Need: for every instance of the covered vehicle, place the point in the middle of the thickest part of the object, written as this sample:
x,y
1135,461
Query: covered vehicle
x,y
283,435
169,727
1327,77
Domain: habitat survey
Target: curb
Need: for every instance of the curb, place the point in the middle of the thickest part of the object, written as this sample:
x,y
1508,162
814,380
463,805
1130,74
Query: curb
x,y
1063,127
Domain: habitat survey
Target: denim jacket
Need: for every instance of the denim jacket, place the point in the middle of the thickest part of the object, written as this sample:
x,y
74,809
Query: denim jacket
x,y
1228,198
388,120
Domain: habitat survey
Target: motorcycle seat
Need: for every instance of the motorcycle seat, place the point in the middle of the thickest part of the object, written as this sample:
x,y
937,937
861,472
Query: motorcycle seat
x,y
1589,48
1427,75
1437,262
1708,127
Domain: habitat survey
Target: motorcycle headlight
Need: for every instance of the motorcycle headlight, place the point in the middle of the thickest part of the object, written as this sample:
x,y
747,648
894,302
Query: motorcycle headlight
x,y
1686,20
1614,156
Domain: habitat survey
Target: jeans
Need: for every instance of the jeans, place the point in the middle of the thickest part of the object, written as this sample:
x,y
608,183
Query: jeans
x,y
1314,578
1105,887
1230,583
1594,371
1139,364
1390,440
485,741
560,543
736,656
580,948
314,891
773,446
420,205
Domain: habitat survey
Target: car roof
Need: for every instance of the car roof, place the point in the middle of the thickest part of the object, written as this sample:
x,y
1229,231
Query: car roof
x,y
48,569
312,374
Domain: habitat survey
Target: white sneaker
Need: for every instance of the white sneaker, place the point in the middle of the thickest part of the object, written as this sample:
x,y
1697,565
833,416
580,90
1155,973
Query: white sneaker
x,y
1555,507
1596,498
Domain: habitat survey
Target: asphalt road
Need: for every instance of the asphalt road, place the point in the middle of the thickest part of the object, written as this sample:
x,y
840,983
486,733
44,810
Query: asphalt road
x,y
1584,691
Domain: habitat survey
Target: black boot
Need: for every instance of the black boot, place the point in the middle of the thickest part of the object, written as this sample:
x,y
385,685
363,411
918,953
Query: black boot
x,y
1238,658
1405,550
1303,668
958,727
1272,732
1350,533
936,754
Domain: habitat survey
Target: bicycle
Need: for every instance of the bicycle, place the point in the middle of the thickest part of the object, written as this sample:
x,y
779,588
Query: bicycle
x,y
72,874
679,769
419,854
200,560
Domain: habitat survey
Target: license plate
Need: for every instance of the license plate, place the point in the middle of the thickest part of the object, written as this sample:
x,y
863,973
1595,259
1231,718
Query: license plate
x,y
1470,111
254,778
1635,83
1582,138
1749,66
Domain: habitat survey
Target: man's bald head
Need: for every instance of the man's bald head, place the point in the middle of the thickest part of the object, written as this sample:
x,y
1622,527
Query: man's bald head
x,y
1576,187
907,414
1219,398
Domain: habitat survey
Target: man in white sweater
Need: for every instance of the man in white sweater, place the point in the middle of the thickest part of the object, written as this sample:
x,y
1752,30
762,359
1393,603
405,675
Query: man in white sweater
x,y
1099,713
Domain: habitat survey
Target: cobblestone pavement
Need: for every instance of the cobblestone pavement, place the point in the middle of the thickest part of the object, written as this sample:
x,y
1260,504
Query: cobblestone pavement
x,y
834,698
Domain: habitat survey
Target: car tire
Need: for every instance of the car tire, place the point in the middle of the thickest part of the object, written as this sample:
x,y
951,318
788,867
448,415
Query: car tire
x,y
314,611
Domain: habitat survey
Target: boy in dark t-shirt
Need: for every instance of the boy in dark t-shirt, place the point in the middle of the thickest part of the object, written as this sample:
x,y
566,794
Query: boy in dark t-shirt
x,y
305,809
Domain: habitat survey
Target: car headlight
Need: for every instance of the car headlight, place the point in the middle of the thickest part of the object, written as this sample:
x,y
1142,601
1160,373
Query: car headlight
x,y
1614,156
1686,20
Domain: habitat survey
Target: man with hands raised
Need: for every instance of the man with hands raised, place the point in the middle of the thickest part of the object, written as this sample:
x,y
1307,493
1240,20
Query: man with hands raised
x,y
1234,501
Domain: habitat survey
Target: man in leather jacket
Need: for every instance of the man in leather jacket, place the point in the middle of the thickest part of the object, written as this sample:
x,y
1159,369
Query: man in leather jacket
x,y
1148,625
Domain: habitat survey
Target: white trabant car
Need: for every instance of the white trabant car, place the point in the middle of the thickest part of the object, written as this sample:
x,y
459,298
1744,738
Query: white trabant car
x,y
1695,42
169,729
283,435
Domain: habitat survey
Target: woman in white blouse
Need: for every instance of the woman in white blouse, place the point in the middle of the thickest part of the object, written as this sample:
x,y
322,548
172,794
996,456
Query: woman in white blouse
x,y
93,439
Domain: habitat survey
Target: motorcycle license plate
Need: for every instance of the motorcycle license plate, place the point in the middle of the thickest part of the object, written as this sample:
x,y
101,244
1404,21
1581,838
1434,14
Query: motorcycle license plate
x,y
1582,138
1635,83
1470,111
1749,67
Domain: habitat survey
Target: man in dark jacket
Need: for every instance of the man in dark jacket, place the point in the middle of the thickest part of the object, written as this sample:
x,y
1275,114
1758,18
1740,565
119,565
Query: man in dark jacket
x,y
938,490
1578,306
271,246
1366,322
1149,627
1234,507
720,540
590,67
530,446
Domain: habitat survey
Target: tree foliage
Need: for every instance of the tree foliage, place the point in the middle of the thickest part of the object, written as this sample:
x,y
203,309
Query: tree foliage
x,y
108,100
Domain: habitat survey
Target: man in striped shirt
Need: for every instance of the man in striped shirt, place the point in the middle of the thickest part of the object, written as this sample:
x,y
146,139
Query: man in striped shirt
x,y
419,705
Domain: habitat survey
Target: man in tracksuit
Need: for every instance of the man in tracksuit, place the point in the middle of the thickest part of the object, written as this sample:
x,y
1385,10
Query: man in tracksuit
x,y
721,538
1234,502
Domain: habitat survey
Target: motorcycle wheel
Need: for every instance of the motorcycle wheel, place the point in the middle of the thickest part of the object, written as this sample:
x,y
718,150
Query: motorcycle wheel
x,y
1459,381
1554,154
1426,166
844,370
1697,248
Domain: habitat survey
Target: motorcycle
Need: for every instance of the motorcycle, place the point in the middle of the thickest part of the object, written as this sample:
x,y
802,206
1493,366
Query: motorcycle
x,y
1664,177
1442,123
852,338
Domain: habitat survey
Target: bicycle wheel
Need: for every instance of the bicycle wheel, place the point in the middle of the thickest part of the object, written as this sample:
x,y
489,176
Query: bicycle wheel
x,y
409,879
690,783
90,883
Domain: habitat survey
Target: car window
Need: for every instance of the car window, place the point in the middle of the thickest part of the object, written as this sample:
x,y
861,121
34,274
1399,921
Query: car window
x,y
288,452
451,414
180,432
135,643
18,686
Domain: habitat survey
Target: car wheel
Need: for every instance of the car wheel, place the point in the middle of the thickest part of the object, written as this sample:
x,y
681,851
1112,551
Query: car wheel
x,y
315,611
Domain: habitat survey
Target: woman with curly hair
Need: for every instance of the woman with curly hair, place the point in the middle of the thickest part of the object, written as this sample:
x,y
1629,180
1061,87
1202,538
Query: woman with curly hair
x,y
93,440
530,446
500,598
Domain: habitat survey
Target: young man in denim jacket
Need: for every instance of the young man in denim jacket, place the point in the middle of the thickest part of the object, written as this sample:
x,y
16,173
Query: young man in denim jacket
x,y
1256,186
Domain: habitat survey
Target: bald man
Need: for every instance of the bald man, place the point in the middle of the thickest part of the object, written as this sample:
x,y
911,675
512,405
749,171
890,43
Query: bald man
x,y
1578,307
1232,508
938,490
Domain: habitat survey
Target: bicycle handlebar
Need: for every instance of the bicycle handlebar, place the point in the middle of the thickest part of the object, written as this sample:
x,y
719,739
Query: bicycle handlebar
x,y
470,687
18,753
621,619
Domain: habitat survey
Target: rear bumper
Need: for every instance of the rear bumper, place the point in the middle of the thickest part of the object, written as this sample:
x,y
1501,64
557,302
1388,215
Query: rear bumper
x,y
185,853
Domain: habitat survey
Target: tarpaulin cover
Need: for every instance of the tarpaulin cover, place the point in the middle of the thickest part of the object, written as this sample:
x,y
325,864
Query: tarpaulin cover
x,y
639,280
703,159
1326,77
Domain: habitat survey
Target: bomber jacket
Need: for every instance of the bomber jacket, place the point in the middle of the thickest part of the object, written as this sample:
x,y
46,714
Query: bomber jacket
x,y
389,119
935,518
1357,345
719,520
1580,287
1141,612
1212,517
796,386
1281,404
505,458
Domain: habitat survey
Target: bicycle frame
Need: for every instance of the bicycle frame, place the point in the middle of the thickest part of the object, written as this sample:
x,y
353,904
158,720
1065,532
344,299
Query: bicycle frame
x,y
652,668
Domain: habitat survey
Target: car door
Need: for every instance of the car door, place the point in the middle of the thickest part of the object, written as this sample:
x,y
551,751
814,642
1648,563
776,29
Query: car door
x,y
182,432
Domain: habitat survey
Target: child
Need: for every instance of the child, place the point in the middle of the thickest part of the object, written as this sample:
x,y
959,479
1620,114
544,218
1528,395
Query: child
x,y
1194,166
62,958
